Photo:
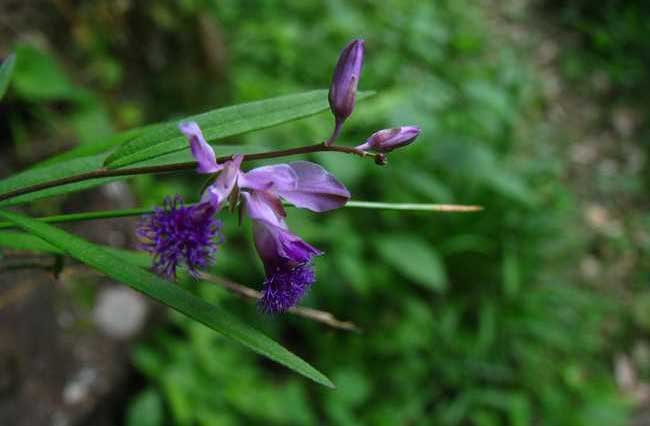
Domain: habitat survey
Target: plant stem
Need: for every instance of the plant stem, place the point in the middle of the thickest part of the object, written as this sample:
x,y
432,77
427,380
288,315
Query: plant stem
x,y
309,313
80,217
110,214
423,207
103,173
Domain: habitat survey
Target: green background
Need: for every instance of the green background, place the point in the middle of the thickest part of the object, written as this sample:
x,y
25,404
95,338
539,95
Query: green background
x,y
468,319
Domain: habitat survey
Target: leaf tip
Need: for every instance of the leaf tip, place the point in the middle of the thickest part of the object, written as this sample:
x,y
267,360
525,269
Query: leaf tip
x,y
366,94
328,383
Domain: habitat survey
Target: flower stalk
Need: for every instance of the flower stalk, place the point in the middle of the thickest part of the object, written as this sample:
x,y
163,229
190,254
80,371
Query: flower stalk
x,y
168,168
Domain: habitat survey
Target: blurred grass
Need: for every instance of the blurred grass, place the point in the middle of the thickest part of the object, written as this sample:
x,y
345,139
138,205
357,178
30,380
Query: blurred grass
x,y
468,319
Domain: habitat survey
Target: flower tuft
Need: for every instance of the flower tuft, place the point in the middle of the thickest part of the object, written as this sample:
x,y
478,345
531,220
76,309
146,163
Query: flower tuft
x,y
284,288
179,235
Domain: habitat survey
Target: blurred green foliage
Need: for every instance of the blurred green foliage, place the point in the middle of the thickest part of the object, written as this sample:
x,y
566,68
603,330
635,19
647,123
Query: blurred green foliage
x,y
607,59
611,38
468,319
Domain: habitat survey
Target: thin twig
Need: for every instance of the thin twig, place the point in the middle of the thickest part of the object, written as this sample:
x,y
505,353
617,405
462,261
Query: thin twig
x,y
235,288
309,313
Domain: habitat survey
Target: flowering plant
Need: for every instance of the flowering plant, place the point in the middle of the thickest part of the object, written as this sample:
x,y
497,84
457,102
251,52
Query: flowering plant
x,y
187,236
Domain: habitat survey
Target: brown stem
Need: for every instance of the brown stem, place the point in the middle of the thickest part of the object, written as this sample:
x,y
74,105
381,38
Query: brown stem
x,y
103,173
312,314
338,125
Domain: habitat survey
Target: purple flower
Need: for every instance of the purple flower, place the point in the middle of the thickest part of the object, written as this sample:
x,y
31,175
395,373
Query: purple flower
x,y
345,80
180,235
389,139
286,257
303,184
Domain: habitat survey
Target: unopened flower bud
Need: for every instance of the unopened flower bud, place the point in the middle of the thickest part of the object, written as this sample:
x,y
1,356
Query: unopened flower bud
x,y
388,139
345,80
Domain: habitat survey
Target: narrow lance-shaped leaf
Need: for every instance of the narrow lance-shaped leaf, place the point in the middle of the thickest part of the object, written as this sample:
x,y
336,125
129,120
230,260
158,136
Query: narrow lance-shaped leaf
x,y
108,214
294,107
23,241
46,173
221,123
15,240
6,69
76,166
100,146
415,258
167,293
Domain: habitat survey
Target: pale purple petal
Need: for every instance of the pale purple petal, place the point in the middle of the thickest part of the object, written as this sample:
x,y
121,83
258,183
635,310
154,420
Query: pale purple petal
x,y
201,150
265,207
218,192
317,189
278,177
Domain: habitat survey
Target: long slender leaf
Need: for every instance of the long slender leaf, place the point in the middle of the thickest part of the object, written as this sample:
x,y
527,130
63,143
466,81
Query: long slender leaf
x,y
101,146
47,173
163,144
168,145
22,241
6,69
415,258
74,166
167,293
223,122
109,214
423,207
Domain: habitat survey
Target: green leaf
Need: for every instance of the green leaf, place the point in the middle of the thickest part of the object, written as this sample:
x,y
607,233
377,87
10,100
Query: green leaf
x,y
38,77
74,166
47,173
425,207
238,119
6,70
27,242
221,123
167,293
80,217
22,241
415,259
109,214
101,146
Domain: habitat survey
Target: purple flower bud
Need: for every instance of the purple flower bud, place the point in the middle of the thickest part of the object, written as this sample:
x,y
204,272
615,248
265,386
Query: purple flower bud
x,y
345,80
388,139
180,235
